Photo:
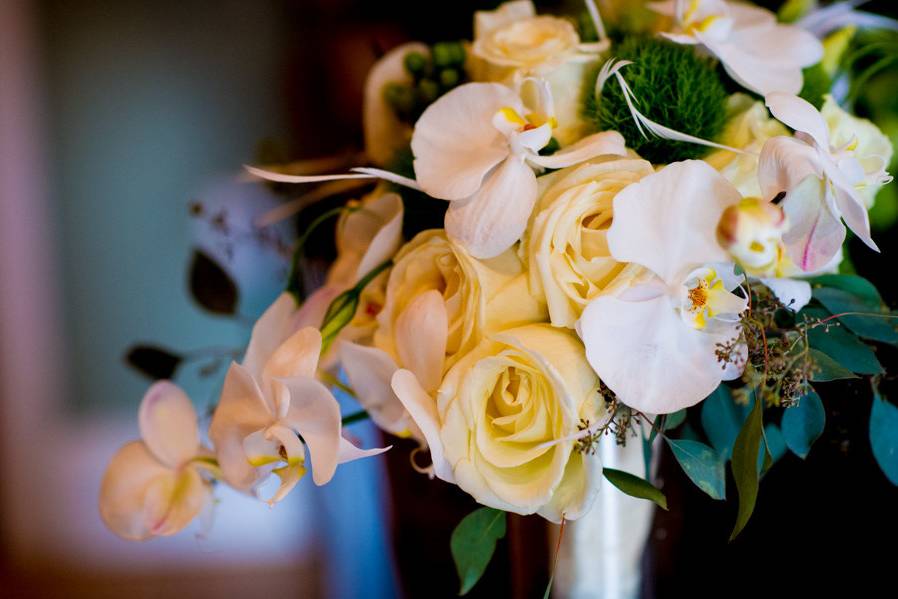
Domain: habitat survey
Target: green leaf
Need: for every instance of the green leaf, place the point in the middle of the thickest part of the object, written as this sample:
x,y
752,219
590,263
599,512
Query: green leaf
x,y
827,369
884,436
342,309
635,487
211,286
842,346
474,542
702,465
647,452
774,444
857,286
803,424
721,420
745,465
674,420
860,315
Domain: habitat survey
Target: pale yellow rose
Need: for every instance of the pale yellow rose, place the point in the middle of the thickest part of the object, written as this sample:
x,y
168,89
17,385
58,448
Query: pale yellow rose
x,y
565,247
512,42
748,127
869,145
508,412
479,296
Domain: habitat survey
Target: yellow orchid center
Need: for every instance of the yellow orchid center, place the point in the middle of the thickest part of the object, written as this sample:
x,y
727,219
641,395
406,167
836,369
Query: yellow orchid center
x,y
524,123
706,298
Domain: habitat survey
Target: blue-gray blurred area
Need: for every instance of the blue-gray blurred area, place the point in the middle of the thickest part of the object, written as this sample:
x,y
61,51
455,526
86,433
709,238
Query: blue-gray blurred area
x,y
124,127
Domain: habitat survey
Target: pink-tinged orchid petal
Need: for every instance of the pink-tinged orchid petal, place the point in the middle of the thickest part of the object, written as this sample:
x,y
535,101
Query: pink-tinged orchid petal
x,y
423,410
494,218
315,414
799,114
370,372
793,293
168,424
241,412
854,213
385,134
383,242
141,498
816,234
606,143
454,144
784,163
312,311
422,331
667,221
272,328
296,356
349,452
646,354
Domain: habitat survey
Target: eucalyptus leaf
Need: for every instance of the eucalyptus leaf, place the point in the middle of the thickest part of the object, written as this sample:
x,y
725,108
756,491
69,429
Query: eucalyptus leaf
x,y
635,487
827,369
745,465
857,313
884,436
473,543
211,286
703,465
857,286
844,347
674,420
721,419
772,449
153,361
803,424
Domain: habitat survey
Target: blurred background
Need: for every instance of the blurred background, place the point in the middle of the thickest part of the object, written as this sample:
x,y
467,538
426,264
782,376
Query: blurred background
x,y
123,125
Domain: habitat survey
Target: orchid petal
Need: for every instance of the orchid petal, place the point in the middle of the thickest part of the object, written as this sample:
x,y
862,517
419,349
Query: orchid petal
x,y
349,452
315,414
647,355
854,213
272,328
385,134
598,144
668,220
816,234
777,45
784,163
296,356
241,411
799,114
793,293
290,473
422,332
311,312
370,371
140,498
494,218
454,144
755,72
422,408
168,424
388,236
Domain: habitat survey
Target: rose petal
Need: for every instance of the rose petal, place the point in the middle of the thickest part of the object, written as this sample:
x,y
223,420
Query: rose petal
x,y
493,219
667,221
422,408
168,424
455,144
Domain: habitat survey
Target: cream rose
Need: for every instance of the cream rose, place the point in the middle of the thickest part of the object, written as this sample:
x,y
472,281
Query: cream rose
x,y
870,146
479,296
513,42
748,127
508,411
565,247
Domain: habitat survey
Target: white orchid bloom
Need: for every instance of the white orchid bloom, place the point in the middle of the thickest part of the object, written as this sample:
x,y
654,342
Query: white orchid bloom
x,y
823,184
654,344
478,146
759,53
154,487
271,400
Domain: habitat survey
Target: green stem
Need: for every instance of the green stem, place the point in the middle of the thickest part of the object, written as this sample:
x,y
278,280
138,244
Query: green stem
x,y
355,417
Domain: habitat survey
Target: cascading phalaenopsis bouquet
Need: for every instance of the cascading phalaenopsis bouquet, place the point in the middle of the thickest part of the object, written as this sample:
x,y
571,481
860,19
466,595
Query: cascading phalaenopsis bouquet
x,y
637,221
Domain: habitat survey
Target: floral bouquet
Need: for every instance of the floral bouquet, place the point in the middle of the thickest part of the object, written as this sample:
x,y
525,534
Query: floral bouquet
x,y
637,221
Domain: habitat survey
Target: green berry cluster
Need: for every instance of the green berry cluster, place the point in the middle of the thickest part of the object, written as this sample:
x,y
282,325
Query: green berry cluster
x,y
432,76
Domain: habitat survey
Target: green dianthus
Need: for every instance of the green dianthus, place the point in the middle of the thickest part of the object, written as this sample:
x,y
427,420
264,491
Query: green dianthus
x,y
673,87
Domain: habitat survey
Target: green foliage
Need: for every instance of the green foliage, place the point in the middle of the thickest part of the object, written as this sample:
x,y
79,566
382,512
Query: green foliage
x,y
721,420
342,309
841,345
817,83
826,369
861,313
473,543
702,465
884,436
803,423
674,420
432,76
635,486
745,465
674,87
